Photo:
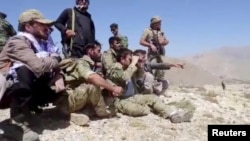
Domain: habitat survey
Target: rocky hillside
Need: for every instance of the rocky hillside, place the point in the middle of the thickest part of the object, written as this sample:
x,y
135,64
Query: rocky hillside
x,y
212,106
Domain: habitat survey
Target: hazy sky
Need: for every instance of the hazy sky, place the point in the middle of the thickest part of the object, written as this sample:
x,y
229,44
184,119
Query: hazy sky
x,y
192,26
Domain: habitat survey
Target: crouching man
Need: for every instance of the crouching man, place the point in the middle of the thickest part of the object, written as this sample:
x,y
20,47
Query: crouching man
x,y
131,102
30,74
83,86
144,77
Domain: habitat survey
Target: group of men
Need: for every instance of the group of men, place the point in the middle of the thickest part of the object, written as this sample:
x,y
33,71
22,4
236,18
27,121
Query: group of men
x,y
33,73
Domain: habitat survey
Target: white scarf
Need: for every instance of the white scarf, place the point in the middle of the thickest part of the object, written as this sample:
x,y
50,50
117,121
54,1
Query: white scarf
x,y
41,52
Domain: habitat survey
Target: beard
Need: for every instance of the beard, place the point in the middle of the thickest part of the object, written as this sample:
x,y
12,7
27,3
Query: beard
x,y
96,59
41,35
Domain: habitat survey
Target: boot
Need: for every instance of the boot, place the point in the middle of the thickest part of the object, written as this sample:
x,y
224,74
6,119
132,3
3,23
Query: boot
x,y
63,109
79,119
181,116
20,115
7,131
109,101
101,109
22,122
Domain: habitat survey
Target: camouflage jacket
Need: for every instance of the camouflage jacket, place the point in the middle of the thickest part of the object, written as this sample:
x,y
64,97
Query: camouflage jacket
x,y
76,71
108,60
150,34
120,77
124,41
6,31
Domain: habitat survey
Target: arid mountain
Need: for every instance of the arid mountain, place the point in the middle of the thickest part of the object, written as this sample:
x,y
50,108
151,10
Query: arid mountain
x,y
191,75
226,62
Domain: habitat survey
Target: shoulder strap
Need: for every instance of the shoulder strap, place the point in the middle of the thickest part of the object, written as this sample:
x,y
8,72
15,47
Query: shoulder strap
x,y
155,35
68,48
72,26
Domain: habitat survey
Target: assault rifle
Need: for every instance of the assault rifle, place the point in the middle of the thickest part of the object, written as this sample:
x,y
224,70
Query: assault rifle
x,y
155,42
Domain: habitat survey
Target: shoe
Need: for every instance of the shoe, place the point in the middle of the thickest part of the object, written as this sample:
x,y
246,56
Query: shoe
x,y
102,112
27,133
181,116
79,119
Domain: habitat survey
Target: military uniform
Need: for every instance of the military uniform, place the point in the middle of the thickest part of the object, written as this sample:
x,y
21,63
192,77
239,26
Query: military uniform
x,y
108,59
6,30
78,92
124,41
134,104
130,102
149,34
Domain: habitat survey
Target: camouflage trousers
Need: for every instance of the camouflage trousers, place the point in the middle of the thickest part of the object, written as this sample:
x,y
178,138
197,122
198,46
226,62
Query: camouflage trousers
x,y
76,99
141,105
158,74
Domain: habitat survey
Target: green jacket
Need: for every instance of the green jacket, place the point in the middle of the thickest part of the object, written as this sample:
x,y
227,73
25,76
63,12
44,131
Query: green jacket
x,y
6,31
76,71
124,41
108,60
120,77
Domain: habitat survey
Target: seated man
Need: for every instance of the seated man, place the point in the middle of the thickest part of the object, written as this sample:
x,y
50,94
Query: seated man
x,y
144,77
20,63
49,45
109,56
134,104
84,86
98,64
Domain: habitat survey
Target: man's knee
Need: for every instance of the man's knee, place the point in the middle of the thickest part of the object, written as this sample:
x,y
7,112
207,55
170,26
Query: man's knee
x,y
25,76
149,76
3,85
149,98
71,101
84,94
148,83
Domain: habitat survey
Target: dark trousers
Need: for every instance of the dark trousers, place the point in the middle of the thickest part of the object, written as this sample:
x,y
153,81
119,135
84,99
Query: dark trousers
x,y
75,52
29,92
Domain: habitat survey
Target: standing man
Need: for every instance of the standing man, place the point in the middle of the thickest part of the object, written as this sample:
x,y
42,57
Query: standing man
x,y
6,30
115,31
154,39
77,29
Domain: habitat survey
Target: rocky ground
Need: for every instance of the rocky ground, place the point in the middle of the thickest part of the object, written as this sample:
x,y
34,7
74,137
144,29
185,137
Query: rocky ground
x,y
213,106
